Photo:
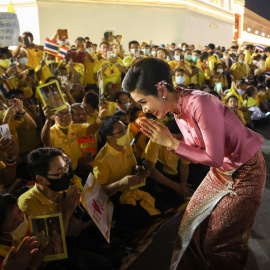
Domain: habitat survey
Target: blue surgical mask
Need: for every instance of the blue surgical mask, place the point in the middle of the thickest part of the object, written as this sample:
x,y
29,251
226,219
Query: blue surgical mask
x,y
180,79
195,58
62,42
23,61
89,50
241,61
133,51
189,57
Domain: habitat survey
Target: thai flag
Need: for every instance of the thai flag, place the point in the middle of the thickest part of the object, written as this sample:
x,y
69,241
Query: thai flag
x,y
259,48
62,52
51,47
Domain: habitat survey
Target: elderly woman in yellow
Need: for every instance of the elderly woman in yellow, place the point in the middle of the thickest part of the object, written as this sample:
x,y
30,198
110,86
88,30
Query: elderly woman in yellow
x,y
239,69
219,77
111,66
162,53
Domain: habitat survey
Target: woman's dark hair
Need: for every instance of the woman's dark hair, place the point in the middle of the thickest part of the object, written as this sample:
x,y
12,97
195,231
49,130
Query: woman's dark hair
x,y
106,128
145,74
38,161
172,126
214,93
261,87
4,51
121,93
232,96
92,99
133,42
118,114
250,90
7,201
132,111
162,49
204,55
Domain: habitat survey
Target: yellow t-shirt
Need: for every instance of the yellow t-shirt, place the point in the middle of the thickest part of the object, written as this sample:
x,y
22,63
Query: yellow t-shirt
x,y
111,73
155,152
112,108
238,70
69,143
212,61
267,63
35,56
234,92
247,58
45,73
89,70
111,165
33,202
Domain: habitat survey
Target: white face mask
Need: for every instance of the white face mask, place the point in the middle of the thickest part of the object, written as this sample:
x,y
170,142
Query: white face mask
x,y
20,231
240,91
254,62
180,79
145,51
133,51
89,50
126,105
220,70
177,57
154,53
224,57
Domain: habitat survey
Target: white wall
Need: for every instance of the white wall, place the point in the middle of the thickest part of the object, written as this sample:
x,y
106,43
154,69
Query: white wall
x,y
198,30
142,23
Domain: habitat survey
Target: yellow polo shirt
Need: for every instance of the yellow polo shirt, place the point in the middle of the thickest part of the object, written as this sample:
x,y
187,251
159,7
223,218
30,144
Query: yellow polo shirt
x,y
33,202
69,143
45,73
111,165
155,152
212,61
247,58
89,70
111,73
239,71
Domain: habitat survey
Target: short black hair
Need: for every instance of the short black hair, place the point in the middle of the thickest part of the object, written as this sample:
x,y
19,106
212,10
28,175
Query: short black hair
x,y
250,90
179,70
204,55
211,46
250,46
7,201
38,160
80,39
92,99
14,92
76,104
4,51
232,96
28,34
133,42
120,94
132,110
118,114
106,128
104,42
145,74
267,49
172,126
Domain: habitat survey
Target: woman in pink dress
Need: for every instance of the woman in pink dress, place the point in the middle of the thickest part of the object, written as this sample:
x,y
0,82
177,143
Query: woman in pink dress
x,y
217,222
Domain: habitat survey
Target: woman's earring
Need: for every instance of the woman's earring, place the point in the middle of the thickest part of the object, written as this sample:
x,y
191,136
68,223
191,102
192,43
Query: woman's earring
x,y
164,98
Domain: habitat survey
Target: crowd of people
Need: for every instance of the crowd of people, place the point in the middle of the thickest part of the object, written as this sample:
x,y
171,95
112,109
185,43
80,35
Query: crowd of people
x,y
46,161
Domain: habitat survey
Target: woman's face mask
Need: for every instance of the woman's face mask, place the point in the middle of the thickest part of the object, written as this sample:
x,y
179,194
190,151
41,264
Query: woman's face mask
x,y
195,58
177,57
89,50
23,61
145,51
189,57
154,53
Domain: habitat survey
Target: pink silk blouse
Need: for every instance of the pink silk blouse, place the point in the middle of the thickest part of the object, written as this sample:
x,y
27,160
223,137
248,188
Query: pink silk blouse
x,y
213,134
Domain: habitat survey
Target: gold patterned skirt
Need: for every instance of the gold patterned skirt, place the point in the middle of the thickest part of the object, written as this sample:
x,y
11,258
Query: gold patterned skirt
x,y
218,220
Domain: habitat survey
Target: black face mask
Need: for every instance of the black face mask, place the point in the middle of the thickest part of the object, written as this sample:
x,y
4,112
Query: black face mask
x,y
62,183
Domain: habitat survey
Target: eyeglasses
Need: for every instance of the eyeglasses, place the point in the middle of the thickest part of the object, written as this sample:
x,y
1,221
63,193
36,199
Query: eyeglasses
x,y
124,131
64,169
63,114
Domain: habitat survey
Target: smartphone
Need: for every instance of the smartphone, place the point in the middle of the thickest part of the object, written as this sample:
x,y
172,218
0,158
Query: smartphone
x,y
5,132
13,60
81,213
218,87
109,54
31,72
26,41
182,58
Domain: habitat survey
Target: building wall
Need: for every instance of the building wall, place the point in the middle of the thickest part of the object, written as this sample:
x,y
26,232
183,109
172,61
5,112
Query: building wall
x,y
192,21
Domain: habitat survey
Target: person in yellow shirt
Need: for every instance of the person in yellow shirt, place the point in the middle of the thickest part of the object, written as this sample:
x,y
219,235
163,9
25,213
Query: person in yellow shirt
x,y
219,77
35,52
267,62
169,173
248,54
180,62
112,67
213,59
90,79
179,77
162,53
64,133
232,103
239,69
113,169
263,98
204,71
134,53
90,102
